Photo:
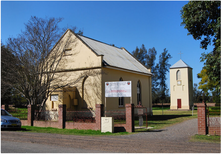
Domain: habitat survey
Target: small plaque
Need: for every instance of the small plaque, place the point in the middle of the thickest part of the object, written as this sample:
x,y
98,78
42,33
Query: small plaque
x,y
54,97
140,111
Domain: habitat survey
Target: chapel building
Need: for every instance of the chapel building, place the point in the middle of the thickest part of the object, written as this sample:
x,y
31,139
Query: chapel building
x,y
87,64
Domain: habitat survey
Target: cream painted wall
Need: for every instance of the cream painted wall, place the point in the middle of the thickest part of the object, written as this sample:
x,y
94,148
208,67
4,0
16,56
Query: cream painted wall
x,y
76,55
78,61
183,91
91,90
115,75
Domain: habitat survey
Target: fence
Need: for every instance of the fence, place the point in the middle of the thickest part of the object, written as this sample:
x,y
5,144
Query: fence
x,y
46,115
20,113
118,115
213,123
81,116
78,119
206,123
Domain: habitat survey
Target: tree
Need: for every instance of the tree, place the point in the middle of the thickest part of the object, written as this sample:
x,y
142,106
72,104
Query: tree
x,y
197,95
33,69
202,20
150,58
163,68
208,85
140,54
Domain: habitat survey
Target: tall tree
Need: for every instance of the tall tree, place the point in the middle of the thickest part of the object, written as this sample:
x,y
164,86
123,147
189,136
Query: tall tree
x,y
208,86
150,58
163,69
33,69
140,54
202,20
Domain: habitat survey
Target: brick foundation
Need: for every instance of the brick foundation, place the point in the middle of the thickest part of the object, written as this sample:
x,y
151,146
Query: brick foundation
x,y
202,122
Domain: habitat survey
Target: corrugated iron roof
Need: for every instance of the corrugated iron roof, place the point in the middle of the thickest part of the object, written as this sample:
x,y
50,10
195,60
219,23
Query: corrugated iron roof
x,y
180,64
113,56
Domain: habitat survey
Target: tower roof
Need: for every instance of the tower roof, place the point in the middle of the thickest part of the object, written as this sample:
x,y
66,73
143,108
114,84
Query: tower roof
x,y
180,64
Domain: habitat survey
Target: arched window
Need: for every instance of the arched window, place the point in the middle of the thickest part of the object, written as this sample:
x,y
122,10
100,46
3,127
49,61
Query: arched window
x,y
139,102
178,75
121,99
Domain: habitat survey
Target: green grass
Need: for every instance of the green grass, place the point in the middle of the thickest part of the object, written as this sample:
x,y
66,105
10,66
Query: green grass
x,y
214,110
66,131
205,138
21,113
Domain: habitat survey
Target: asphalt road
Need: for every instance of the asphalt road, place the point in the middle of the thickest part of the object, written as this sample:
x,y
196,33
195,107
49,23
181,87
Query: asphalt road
x,y
174,139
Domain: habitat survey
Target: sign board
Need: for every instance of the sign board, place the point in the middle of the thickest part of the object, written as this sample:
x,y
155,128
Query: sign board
x,y
118,89
140,111
54,97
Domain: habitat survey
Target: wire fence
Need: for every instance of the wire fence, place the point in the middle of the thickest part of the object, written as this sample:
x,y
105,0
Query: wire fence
x,y
119,116
46,115
21,113
213,121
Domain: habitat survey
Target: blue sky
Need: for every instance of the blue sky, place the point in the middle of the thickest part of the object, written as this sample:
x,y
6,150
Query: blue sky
x,y
124,24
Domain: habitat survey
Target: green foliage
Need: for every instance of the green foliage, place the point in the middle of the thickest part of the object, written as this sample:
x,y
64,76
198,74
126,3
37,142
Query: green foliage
x,y
140,54
197,94
160,92
164,67
202,20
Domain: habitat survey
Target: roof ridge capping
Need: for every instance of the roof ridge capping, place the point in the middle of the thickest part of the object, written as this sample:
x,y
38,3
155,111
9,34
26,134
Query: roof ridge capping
x,y
98,41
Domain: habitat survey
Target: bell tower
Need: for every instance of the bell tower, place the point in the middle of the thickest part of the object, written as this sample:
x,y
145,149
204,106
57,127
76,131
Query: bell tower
x,y
181,86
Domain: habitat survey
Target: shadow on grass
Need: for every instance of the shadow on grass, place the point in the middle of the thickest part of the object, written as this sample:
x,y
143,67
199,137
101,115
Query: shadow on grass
x,y
165,117
149,130
14,129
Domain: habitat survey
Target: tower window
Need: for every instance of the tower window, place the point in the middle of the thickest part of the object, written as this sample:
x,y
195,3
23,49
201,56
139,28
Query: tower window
x,y
178,75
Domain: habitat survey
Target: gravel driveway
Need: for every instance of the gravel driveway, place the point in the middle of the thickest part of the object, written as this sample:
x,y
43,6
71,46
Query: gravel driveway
x,y
180,132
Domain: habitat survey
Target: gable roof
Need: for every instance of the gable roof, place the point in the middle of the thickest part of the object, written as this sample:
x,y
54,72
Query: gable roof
x,y
180,64
114,56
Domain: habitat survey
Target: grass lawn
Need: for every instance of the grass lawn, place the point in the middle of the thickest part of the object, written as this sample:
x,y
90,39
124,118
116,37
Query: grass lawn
x,y
21,113
205,138
67,131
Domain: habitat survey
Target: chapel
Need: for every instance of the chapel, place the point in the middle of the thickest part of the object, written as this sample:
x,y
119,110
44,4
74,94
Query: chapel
x,y
86,65
181,86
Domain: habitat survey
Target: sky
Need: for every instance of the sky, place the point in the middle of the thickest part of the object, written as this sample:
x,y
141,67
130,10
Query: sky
x,y
127,24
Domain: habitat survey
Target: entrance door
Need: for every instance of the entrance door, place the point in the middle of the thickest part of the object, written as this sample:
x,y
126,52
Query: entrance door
x,y
178,103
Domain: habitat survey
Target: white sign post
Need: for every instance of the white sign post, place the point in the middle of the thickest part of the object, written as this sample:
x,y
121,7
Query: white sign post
x,y
118,89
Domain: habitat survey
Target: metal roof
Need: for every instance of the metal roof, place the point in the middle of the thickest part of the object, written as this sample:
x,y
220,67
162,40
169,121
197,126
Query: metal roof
x,y
180,64
113,56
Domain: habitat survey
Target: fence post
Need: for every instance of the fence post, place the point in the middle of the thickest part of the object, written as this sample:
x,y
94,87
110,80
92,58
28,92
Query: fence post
x,y
99,113
130,117
30,115
62,116
202,122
